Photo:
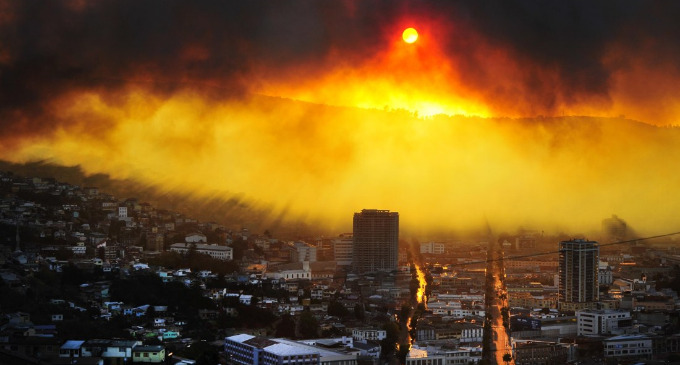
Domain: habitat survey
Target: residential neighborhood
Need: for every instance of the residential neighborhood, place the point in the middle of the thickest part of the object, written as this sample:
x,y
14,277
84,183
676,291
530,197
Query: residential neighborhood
x,y
88,278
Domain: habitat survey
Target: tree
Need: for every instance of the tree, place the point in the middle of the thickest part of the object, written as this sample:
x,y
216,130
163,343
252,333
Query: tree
x,y
337,309
507,358
359,312
286,327
402,352
308,325
389,344
404,313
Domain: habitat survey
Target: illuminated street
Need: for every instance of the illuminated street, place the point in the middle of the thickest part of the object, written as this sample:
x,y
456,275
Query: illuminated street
x,y
498,300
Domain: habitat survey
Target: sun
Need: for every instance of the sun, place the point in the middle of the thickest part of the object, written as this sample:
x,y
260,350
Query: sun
x,y
410,35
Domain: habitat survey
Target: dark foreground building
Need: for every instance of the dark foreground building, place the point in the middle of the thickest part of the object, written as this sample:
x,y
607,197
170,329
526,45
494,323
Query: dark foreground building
x,y
375,241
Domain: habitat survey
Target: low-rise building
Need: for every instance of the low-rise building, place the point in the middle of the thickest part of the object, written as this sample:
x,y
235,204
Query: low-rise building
x,y
539,352
436,248
371,334
248,350
148,354
419,356
628,347
599,322
213,250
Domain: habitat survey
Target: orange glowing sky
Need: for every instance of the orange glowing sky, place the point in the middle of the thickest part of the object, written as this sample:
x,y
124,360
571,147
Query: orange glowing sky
x,y
317,110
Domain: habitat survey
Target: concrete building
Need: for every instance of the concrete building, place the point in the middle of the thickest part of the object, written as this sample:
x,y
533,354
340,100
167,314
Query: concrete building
x,y
463,355
148,354
614,228
628,347
213,250
342,249
602,322
250,350
604,274
432,248
373,334
578,274
302,251
291,271
327,356
375,241
419,356
539,352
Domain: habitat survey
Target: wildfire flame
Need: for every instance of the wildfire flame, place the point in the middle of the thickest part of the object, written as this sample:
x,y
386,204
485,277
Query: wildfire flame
x,y
420,294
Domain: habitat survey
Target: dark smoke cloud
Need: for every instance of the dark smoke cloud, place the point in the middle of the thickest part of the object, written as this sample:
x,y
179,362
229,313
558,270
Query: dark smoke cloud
x,y
48,48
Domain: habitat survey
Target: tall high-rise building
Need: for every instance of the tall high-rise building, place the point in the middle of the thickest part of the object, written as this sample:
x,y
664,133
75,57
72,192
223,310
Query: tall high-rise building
x,y
375,241
614,228
578,269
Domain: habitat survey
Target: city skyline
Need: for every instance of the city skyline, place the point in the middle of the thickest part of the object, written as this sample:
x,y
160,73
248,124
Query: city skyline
x,y
260,296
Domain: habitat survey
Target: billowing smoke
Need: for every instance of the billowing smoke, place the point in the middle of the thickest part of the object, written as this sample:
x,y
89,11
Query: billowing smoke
x,y
519,58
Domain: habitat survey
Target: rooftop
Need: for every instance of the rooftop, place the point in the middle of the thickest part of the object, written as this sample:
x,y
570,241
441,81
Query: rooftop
x,y
259,342
148,348
628,337
240,338
72,345
282,349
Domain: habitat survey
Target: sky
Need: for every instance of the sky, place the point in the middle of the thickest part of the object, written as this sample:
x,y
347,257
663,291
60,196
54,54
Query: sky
x,y
550,115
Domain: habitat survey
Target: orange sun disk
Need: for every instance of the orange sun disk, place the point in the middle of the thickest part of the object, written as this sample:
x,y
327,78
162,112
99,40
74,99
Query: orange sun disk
x,y
410,35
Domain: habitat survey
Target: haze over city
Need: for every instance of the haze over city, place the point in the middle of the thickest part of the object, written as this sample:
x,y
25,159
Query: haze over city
x,y
550,116
346,182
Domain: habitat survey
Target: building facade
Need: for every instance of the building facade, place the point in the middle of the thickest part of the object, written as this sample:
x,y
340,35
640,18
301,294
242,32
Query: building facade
x,y
432,248
578,274
628,347
375,243
602,322
373,334
605,274
342,249
539,353
250,350
213,250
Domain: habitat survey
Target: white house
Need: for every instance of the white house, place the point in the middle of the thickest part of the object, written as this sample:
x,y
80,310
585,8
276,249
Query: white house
x,y
213,250
120,351
245,299
604,274
372,334
292,271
